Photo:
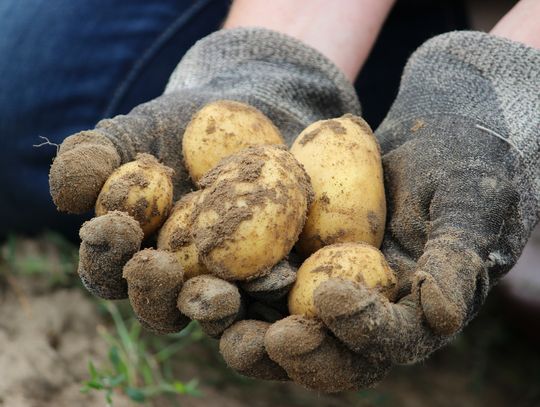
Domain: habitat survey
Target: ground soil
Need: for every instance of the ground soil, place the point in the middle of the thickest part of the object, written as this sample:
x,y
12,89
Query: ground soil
x,y
48,334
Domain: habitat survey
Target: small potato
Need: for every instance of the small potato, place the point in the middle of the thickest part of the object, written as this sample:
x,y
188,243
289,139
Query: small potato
x,y
251,211
143,188
221,129
343,160
357,262
175,236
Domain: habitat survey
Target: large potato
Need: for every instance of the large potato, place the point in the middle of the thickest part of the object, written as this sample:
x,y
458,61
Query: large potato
x,y
343,160
143,188
251,211
175,236
358,262
221,129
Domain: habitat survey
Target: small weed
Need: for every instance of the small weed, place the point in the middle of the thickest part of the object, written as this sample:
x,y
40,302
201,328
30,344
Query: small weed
x,y
137,366
51,257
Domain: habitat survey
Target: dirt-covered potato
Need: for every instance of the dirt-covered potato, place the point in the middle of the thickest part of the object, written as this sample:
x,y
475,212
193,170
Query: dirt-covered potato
x,y
343,160
175,236
357,262
252,208
221,129
143,188
154,279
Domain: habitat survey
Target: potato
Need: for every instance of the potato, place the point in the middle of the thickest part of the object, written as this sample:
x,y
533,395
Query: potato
x,y
175,236
143,188
251,211
343,160
357,262
221,129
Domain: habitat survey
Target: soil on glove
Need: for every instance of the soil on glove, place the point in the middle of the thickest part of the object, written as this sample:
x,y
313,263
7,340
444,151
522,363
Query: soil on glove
x,y
154,279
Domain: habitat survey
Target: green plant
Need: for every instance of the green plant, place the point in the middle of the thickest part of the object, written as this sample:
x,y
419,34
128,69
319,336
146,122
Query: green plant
x,y
139,366
50,256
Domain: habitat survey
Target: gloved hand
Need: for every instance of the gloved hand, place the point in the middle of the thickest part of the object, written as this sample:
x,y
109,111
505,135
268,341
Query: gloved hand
x,y
461,148
292,84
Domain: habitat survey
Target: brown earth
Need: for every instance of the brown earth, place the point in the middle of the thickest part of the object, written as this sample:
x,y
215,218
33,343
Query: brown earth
x,y
48,333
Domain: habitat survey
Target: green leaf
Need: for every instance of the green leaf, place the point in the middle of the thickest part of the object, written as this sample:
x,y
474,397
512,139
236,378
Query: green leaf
x,y
146,373
115,381
94,384
92,370
114,357
108,397
135,394
179,387
191,388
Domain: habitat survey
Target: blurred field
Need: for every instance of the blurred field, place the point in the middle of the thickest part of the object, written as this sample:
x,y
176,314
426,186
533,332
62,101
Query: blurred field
x,y
50,331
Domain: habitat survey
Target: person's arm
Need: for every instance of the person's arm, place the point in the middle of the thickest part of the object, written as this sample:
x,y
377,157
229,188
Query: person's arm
x,y
521,24
343,30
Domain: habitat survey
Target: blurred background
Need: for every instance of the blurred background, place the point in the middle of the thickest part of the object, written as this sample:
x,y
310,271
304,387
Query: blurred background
x,y
62,347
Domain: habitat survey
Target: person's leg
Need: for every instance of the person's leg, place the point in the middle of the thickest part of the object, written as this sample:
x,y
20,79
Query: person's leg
x,y
67,64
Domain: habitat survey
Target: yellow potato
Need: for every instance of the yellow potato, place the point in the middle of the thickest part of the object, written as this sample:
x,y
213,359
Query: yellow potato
x,y
343,160
251,211
221,129
357,262
143,188
175,236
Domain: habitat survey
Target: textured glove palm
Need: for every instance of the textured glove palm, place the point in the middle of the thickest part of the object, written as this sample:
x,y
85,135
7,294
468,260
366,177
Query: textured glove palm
x,y
461,148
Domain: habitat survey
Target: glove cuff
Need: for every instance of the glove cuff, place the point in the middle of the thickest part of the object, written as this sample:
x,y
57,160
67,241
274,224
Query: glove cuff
x,y
491,82
292,83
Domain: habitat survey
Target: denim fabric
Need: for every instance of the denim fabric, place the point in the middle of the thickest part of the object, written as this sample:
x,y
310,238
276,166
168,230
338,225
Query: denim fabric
x,y
66,64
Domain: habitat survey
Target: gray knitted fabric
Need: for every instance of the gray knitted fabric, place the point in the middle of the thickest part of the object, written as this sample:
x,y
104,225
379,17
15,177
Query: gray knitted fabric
x,y
461,150
491,82
291,83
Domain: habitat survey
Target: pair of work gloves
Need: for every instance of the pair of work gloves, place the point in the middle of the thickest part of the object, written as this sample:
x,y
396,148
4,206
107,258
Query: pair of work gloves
x,y
461,147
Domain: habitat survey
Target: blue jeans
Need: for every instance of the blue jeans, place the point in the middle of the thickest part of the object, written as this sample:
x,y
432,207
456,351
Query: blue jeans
x,y
66,64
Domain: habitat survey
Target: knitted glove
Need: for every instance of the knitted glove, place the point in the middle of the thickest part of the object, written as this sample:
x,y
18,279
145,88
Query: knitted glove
x,y
461,147
292,84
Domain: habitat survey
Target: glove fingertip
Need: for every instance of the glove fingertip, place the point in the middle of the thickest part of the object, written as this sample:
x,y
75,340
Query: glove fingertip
x,y
242,347
293,336
443,317
83,164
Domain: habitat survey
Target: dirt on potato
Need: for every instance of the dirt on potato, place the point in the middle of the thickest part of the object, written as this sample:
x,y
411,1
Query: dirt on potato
x,y
219,191
153,182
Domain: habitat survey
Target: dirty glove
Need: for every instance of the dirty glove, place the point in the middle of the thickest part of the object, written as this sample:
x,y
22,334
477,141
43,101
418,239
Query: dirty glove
x,y
292,84
461,148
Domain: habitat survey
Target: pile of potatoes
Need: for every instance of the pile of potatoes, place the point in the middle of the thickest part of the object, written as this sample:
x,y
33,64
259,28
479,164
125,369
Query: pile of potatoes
x,y
257,203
